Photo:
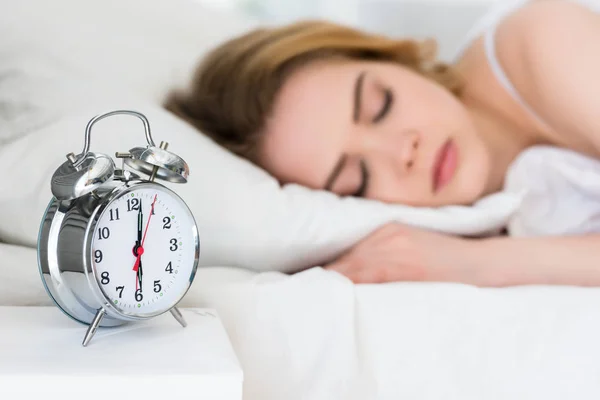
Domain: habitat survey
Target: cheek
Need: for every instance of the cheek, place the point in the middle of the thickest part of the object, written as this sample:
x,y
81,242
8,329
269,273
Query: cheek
x,y
388,185
473,168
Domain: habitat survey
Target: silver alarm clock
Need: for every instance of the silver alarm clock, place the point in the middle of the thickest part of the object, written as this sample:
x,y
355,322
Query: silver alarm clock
x,y
114,247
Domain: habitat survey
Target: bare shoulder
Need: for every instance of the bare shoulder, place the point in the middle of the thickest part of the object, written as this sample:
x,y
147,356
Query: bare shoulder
x,y
543,25
543,15
546,49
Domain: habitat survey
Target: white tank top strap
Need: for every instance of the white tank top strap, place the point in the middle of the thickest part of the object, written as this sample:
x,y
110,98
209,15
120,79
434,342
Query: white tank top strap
x,y
487,25
490,51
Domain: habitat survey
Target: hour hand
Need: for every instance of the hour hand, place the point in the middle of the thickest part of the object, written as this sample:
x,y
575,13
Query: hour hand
x,y
139,275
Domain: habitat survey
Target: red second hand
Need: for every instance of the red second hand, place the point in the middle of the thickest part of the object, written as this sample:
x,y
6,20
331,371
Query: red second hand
x,y
148,223
136,266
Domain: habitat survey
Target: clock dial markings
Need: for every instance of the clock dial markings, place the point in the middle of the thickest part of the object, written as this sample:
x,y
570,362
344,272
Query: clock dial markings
x,y
158,280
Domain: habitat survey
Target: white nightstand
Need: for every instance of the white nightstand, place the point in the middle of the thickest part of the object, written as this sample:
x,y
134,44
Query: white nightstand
x,y
41,354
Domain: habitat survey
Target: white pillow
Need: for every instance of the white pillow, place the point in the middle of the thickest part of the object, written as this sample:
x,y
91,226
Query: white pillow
x,y
560,191
245,218
20,280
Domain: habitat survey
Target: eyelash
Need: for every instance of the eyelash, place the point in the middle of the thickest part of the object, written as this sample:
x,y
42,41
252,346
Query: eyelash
x,y
364,181
387,104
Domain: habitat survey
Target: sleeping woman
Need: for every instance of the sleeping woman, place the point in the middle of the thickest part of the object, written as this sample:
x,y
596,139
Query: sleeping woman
x,y
334,108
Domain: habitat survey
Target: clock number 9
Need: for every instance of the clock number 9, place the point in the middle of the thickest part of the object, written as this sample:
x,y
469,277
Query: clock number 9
x,y
98,256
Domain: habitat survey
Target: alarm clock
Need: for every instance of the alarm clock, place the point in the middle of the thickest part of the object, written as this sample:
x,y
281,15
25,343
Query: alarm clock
x,y
115,245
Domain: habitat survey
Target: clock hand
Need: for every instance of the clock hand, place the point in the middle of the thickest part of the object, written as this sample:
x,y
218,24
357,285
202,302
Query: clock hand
x,y
139,224
137,267
140,249
149,218
139,275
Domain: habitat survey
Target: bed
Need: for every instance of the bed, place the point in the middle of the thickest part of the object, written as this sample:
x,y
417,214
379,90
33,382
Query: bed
x,y
299,334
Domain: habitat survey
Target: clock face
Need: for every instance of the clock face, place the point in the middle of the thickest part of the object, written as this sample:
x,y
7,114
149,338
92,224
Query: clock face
x,y
144,250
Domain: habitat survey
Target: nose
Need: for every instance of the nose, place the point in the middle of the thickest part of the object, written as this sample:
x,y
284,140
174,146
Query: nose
x,y
401,148
404,148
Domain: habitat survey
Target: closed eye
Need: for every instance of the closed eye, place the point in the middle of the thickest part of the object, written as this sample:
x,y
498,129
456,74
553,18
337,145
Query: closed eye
x,y
388,100
364,182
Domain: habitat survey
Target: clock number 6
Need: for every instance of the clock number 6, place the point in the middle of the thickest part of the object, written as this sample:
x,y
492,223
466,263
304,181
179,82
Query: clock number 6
x,y
138,295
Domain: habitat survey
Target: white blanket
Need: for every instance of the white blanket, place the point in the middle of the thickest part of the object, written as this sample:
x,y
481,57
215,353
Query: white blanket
x,y
314,335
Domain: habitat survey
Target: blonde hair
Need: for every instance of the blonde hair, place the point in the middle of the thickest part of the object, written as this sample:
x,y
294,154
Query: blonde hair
x,y
235,86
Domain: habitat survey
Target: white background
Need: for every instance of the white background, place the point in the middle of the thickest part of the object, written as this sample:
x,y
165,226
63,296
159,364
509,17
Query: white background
x,y
447,21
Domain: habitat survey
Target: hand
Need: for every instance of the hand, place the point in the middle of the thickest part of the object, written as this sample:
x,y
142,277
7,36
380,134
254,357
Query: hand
x,y
139,274
140,224
398,252
138,250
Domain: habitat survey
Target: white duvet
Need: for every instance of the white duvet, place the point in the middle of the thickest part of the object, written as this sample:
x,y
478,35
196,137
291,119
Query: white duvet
x,y
315,335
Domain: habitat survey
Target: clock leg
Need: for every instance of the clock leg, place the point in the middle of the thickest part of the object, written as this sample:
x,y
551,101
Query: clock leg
x,y
177,314
93,326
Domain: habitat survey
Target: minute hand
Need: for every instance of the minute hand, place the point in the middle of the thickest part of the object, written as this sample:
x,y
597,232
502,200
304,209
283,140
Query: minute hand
x,y
140,224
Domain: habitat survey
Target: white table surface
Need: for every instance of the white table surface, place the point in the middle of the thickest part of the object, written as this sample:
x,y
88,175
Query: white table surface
x,y
41,354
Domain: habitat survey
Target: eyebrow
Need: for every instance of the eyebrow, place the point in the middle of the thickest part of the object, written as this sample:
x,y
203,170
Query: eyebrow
x,y
337,169
358,89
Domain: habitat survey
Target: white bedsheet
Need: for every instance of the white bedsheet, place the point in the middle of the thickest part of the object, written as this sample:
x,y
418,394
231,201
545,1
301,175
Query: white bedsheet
x,y
315,335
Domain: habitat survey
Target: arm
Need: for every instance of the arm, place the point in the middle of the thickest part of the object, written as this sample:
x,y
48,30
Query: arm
x,y
395,253
507,261
551,52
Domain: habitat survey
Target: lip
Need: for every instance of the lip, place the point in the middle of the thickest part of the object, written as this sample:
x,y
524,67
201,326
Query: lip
x,y
444,168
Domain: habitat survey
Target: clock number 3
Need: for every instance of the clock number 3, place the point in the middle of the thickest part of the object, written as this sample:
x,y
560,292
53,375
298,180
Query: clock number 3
x,y
174,246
